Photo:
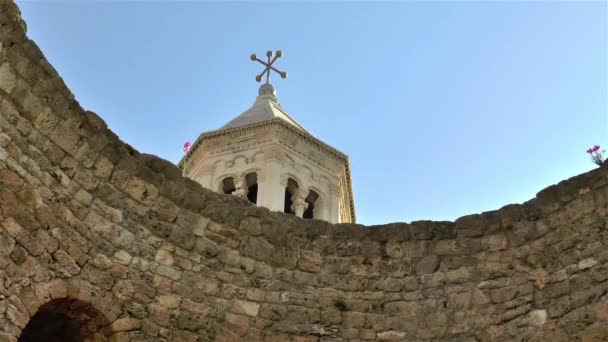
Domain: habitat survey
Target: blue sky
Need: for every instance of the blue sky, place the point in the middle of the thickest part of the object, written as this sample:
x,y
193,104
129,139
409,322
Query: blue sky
x,y
445,108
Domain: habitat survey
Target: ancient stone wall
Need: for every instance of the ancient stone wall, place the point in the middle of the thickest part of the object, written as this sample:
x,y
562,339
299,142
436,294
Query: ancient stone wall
x,y
100,242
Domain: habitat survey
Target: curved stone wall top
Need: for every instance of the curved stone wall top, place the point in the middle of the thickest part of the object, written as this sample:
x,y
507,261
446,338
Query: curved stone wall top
x,y
121,246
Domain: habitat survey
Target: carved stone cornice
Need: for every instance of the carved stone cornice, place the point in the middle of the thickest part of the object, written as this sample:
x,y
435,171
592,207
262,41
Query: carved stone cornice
x,y
263,127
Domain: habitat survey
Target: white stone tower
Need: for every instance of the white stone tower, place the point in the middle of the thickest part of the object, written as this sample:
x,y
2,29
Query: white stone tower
x,y
266,156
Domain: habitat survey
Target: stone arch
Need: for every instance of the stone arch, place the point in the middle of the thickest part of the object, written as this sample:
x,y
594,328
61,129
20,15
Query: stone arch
x,y
315,208
251,182
291,188
66,320
296,179
226,184
240,159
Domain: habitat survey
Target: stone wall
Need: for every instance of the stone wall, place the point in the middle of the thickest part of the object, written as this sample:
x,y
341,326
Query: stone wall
x,y
106,243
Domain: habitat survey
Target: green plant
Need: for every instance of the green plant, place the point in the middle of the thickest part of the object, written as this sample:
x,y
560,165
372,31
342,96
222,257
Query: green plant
x,y
340,304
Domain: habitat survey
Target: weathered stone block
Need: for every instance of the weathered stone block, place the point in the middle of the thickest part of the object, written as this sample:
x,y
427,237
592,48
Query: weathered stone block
x,y
391,335
310,261
8,80
126,324
427,264
245,308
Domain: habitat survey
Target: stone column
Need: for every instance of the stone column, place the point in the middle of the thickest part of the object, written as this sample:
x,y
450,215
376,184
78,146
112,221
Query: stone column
x,y
320,211
333,204
299,203
241,188
271,193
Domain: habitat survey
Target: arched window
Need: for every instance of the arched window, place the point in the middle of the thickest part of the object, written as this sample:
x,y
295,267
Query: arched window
x,y
252,187
312,200
290,190
227,186
65,320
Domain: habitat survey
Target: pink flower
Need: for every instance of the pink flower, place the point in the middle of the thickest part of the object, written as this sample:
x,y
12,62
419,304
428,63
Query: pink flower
x,y
596,155
187,147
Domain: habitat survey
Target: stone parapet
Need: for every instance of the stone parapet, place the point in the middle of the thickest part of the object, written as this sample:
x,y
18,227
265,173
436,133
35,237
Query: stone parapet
x,y
124,248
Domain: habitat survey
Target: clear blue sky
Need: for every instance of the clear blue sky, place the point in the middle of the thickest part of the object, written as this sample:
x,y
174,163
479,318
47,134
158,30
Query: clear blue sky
x,y
445,108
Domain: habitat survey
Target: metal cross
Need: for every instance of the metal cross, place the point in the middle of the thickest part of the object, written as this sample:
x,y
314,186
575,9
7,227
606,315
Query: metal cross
x,y
268,66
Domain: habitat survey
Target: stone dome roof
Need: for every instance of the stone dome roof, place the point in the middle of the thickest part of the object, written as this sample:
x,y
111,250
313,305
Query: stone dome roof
x,y
265,108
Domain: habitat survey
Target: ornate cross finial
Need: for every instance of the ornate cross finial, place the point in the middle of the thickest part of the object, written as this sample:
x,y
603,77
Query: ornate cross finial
x,y
268,66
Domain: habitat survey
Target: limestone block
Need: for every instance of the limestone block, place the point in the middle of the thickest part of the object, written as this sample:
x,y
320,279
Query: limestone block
x,y
123,290
391,335
394,249
125,324
245,308
16,317
103,168
309,261
189,321
447,247
495,242
169,301
30,300
8,80
141,191
50,243
166,271
12,227
164,257
83,197
3,154
240,322
229,257
66,265
587,263
149,328
427,264
159,314
503,294
30,243
4,139
199,226
7,244
101,261
538,317
123,257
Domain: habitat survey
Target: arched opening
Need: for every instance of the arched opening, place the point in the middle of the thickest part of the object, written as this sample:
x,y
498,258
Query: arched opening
x,y
227,186
312,200
252,187
65,320
290,190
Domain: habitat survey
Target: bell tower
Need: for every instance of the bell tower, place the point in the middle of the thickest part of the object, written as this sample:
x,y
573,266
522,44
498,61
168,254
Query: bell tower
x,y
267,157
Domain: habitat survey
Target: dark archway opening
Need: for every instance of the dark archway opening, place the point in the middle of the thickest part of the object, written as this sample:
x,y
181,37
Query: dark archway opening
x,y
228,186
64,320
311,199
290,190
252,187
